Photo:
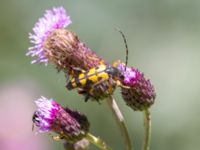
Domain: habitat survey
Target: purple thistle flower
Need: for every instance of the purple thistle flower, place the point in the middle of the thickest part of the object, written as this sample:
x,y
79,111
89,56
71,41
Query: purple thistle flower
x,y
45,115
140,93
53,19
129,74
50,116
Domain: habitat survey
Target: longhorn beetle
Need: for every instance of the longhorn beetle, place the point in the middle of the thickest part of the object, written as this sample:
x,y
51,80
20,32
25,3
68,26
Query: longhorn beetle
x,y
89,79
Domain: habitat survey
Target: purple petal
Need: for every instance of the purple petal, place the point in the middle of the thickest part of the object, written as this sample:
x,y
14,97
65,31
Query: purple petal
x,y
45,113
53,19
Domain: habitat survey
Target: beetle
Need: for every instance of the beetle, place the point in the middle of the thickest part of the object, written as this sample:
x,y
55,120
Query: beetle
x,y
88,80
93,76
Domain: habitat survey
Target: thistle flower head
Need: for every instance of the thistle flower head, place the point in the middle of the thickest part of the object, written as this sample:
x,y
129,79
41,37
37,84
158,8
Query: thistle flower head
x,y
50,116
52,20
56,45
140,94
129,76
45,114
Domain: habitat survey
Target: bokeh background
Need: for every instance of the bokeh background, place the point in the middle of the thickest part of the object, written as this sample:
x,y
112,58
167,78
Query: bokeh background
x,y
163,39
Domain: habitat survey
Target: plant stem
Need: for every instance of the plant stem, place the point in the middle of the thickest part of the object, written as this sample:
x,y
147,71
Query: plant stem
x,y
147,129
97,141
120,121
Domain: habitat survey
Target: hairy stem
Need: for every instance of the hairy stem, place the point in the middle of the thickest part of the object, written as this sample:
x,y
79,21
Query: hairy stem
x,y
120,121
147,129
97,142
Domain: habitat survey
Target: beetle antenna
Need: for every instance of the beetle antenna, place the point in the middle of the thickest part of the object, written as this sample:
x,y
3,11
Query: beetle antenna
x,y
126,46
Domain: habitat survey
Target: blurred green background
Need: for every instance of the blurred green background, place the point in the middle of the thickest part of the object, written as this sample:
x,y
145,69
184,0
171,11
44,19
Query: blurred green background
x,y
163,39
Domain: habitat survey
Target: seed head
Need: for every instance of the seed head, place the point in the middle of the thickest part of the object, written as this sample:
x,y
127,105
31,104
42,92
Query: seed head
x,y
50,116
140,93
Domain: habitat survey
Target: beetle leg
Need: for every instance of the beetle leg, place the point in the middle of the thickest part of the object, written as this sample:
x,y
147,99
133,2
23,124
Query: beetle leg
x,y
76,71
120,85
93,86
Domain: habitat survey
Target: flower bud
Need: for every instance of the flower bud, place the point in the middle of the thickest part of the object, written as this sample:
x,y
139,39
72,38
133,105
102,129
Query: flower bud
x,y
50,116
137,92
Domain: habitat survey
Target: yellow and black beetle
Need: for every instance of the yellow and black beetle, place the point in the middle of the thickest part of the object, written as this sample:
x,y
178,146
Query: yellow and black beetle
x,y
93,76
86,81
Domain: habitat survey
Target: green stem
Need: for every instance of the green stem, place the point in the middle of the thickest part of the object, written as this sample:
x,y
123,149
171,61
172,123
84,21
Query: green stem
x,y
147,129
120,121
97,141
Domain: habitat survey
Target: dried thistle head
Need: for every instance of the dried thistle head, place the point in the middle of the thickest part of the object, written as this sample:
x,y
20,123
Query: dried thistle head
x,y
50,116
139,93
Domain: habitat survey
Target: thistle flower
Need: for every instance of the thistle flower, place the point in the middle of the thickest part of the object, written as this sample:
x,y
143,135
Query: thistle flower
x,y
140,94
52,20
50,116
56,45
